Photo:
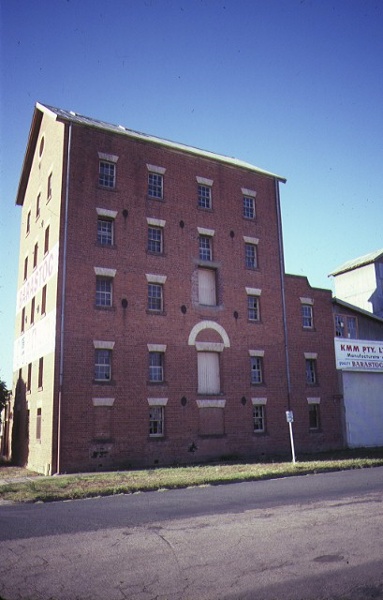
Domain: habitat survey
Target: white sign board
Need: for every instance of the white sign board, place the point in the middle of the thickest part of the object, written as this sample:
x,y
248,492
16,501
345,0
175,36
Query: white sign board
x,y
289,416
359,355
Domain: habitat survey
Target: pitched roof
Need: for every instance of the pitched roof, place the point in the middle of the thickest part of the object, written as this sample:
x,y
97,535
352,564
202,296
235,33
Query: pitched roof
x,y
356,309
74,117
358,262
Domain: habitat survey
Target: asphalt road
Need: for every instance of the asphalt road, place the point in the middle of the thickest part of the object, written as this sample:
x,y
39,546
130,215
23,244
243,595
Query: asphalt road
x,y
303,538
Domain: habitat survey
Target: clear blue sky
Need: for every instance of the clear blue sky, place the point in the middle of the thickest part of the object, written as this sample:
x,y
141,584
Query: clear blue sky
x,y
292,86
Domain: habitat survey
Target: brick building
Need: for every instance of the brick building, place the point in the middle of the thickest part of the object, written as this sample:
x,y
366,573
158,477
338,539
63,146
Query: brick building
x,y
155,323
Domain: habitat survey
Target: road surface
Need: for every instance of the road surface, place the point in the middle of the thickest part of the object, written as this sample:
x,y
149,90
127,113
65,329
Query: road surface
x,y
302,538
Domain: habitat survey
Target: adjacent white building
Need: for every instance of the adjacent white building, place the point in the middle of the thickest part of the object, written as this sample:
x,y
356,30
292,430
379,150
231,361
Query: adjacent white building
x,y
358,315
360,282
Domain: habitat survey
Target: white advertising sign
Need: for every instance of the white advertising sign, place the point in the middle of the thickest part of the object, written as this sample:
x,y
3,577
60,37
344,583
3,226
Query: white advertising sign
x,y
36,342
359,355
45,270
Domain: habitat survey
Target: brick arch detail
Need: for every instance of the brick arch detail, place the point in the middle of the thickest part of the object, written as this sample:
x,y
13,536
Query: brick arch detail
x,y
208,325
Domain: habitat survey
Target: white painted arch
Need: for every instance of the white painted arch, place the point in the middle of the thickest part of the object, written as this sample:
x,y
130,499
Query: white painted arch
x,y
208,325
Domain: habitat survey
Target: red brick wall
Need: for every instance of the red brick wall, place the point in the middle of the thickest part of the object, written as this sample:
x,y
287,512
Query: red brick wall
x,y
132,328
318,340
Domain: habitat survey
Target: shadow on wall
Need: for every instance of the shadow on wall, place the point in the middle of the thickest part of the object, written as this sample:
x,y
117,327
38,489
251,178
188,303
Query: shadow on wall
x,y
20,430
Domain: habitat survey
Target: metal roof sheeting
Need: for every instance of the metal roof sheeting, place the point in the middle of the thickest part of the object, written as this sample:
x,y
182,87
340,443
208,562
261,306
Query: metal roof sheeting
x,y
358,262
74,117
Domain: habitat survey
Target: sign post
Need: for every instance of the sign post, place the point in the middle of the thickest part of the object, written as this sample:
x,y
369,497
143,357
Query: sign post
x,y
290,420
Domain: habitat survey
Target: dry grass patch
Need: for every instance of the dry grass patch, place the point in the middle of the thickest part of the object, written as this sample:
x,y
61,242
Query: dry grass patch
x,y
65,487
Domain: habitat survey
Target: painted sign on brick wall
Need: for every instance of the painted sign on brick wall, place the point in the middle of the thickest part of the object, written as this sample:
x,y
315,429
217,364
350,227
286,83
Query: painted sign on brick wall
x,y
40,276
36,342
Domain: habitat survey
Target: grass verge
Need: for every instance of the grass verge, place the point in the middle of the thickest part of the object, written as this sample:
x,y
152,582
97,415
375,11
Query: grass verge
x,y
66,487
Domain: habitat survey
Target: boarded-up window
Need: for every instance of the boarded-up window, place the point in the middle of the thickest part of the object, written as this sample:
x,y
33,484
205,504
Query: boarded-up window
x,y
211,421
102,422
208,373
38,424
207,287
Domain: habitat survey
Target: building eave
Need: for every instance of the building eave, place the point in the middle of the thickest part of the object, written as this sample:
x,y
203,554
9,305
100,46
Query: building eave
x,y
356,263
357,309
39,111
73,117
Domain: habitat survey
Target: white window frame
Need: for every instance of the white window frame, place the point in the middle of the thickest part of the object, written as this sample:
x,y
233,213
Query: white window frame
x,y
205,250
259,417
104,292
256,366
155,182
307,313
105,215
253,298
107,174
251,256
157,417
156,371
311,368
248,204
103,364
155,239
205,196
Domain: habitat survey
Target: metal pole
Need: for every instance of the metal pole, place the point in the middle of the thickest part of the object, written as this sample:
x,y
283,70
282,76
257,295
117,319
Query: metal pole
x,y
292,441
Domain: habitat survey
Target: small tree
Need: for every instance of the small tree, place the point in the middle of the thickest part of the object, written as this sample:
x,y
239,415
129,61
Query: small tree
x,y
4,396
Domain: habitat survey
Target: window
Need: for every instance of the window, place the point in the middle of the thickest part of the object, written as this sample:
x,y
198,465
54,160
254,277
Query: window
x,y
314,421
44,300
41,147
307,316
204,196
29,378
41,372
25,268
155,297
156,367
33,305
205,247
46,241
155,185
256,369
103,365
351,327
28,226
22,320
49,188
207,293
211,417
248,207
156,421
35,255
155,239
346,326
253,308
38,199
105,231
259,418
311,376
107,174
208,373
104,288
38,424
250,256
